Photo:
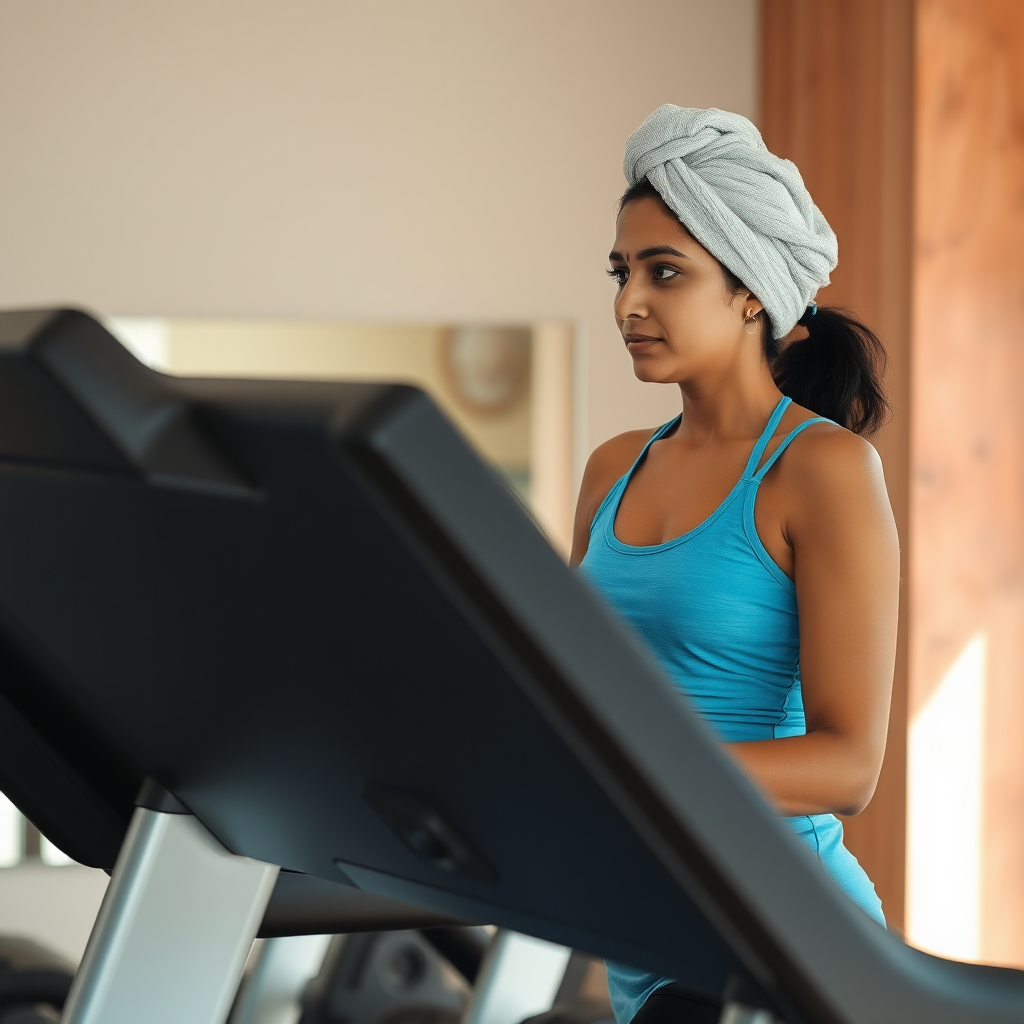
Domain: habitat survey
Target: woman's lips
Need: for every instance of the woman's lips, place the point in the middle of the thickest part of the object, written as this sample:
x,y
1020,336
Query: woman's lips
x,y
639,341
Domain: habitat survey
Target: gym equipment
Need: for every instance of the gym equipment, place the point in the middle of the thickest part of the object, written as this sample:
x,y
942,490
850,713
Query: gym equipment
x,y
360,978
464,948
383,978
419,977
520,977
34,982
341,647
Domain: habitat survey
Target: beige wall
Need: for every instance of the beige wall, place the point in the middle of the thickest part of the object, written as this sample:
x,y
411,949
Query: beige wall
x,y
421,161
54,906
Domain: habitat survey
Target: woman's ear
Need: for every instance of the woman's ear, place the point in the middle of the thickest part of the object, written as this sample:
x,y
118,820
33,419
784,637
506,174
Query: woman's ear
x,y
751,301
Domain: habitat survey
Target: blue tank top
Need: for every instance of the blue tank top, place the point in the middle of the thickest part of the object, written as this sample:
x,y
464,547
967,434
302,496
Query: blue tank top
x,y
721,618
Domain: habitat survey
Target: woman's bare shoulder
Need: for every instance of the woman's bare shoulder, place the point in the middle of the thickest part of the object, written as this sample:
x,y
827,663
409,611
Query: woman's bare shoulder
x,y
606,464
832,468
609,461
828,453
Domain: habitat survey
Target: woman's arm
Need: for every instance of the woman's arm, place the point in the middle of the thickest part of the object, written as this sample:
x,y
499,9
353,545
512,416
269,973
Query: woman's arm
x,y
846,570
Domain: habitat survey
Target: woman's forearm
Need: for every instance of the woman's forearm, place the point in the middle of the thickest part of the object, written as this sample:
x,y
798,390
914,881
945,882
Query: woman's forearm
x,y
822,772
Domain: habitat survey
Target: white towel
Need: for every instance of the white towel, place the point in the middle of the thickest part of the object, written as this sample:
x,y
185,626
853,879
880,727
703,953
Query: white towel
x,y
749,208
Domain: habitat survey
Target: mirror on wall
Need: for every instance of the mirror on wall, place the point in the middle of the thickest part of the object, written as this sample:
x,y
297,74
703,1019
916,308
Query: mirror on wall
x,y
508,387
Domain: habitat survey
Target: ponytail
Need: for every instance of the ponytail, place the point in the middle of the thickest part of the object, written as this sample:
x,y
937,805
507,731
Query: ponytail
x,y
836,371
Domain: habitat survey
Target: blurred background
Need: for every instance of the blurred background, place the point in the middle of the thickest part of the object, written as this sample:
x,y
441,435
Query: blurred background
x,y
424,190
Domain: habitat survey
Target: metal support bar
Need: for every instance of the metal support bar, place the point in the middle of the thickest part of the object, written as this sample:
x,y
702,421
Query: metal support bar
x,y
273,993
174,929
519,978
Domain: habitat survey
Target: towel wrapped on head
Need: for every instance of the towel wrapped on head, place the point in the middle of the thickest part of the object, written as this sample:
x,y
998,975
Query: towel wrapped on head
x,y
749,208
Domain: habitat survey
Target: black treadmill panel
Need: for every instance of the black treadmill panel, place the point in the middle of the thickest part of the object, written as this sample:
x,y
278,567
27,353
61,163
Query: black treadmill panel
x,y
311,613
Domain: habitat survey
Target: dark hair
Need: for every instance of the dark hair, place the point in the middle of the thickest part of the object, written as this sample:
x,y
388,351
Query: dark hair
x,y
836,371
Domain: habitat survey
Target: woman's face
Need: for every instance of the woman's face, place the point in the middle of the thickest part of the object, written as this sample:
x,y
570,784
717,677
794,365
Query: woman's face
x,y
673,307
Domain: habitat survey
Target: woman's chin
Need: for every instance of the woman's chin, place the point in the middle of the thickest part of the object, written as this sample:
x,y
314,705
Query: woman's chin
x,y
650,372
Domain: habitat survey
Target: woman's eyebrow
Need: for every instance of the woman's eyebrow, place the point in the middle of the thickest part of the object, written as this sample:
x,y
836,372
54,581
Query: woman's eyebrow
x,y
660,250
643,254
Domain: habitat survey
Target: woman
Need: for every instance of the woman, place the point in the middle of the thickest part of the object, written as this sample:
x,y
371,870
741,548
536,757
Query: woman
x,y
750,540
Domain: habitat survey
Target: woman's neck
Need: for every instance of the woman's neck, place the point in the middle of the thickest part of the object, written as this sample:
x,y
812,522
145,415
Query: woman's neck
x,y
737,407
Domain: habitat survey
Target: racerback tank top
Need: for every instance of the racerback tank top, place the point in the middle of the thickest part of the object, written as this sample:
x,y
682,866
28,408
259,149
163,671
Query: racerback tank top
x,y
721,618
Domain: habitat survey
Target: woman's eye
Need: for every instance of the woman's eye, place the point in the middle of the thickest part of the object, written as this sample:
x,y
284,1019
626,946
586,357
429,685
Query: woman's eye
x,y
618,275
664,273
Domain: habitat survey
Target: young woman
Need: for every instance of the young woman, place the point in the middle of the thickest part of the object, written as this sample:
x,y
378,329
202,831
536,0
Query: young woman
x,y
750,540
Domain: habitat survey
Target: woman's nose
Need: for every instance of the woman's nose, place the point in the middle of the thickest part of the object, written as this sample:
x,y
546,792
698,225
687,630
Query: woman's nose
x,y
630,303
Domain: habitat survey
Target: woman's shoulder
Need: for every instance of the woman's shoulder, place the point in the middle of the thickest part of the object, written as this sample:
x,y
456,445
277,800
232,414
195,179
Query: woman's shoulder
x,y
611,460
621,450
828,462
832,502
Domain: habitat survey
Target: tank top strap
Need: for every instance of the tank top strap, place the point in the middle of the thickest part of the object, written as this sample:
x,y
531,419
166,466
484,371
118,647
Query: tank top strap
x,y
656,436
766,435
786,442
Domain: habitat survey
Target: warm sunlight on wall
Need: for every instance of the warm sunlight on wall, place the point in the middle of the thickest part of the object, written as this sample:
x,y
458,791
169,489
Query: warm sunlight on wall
x,y
945,764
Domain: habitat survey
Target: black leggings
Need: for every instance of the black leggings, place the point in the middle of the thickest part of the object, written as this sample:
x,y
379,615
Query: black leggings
x,y
672,1004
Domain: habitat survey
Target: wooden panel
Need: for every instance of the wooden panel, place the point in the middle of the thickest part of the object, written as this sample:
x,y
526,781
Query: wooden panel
x,y
551,422
837,96
967,498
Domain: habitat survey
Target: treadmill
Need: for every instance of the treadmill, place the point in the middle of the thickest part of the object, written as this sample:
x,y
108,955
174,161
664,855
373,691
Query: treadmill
x,y
270,650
